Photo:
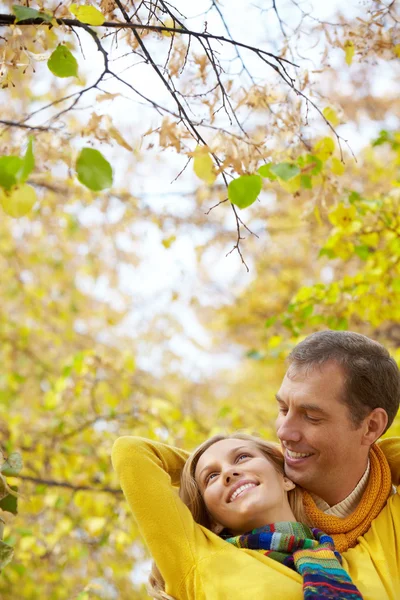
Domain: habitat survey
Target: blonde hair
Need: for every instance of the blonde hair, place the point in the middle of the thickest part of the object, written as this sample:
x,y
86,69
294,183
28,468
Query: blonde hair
x,y
190,495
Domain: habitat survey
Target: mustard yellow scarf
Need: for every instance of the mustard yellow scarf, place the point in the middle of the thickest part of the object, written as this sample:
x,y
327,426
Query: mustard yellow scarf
x,y
346,531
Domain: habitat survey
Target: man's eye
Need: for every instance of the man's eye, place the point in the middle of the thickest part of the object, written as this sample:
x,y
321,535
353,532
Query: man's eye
x,y
312,419
283,411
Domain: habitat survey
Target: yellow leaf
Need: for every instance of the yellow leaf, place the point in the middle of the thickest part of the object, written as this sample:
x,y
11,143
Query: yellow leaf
x,y
396,50
106,96
317,215
203,166
293,185
338,167
95,525
331,116
87,14
119,139
324,148
18,201
343,216
348,51
168,241
169,23
274,341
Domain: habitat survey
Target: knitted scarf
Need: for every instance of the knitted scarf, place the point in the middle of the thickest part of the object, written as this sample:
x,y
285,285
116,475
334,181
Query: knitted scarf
x,y
310,552
345,532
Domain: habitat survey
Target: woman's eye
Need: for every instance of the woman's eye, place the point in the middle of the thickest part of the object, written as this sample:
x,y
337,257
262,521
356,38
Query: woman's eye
x,y
210,477
243,456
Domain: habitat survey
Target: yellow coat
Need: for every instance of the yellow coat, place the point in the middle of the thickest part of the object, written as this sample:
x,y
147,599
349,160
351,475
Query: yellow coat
x,y
197,564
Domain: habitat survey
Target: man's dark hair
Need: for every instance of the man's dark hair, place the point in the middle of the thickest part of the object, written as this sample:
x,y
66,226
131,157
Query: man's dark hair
x,y
372,377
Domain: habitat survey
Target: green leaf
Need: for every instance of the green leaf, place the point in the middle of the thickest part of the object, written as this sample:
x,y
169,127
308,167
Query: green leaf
x,y
285,171
354,197
244,190
310,164
362,251
307,311
62,62
14,170
269,322
306,182
24,12
18,201
327,252
10,503
93,170
265,171
6,554
28,162
12,465
9,169
255,355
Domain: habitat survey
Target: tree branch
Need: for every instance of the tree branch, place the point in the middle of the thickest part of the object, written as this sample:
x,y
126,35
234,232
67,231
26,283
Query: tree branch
x,y
70,486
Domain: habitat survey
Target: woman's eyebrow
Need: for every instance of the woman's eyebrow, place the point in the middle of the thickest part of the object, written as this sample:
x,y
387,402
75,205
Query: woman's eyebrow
x,y
232,452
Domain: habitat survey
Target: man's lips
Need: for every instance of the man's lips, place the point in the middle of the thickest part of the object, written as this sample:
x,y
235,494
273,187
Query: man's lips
x,y
292,457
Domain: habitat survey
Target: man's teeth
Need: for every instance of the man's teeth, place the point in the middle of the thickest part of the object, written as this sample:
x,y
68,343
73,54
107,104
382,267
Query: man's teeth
x,y
240,490
292,454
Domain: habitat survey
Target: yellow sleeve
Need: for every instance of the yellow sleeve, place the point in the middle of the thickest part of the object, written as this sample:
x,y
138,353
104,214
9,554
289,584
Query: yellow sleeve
x,y
147,470
391,449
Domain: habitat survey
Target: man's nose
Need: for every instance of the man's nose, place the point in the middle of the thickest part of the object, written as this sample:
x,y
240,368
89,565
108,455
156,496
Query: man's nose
x,y
287,429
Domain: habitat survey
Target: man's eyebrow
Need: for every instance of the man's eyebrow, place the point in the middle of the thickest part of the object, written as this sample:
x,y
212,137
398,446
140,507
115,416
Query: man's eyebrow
x,y
231,453
313,408
306,406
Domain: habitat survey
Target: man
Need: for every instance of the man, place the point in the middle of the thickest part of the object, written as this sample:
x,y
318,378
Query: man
x,y
341,392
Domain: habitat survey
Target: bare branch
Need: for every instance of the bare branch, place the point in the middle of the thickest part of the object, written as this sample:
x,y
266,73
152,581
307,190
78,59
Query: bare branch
x,y
70,486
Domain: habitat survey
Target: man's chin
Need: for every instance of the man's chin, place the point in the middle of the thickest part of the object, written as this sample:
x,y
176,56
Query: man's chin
x,y
297,474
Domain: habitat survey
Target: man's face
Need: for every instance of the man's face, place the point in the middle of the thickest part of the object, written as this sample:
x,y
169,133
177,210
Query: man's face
x,y
323,450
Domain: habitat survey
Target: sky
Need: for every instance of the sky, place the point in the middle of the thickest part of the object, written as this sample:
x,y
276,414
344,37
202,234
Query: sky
x,y
161,271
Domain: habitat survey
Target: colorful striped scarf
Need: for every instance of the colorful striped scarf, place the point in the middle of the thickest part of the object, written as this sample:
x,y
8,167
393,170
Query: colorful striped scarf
x,y
310,552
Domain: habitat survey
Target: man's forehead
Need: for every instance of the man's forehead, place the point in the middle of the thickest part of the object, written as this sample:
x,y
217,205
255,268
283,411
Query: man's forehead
x,y
320,383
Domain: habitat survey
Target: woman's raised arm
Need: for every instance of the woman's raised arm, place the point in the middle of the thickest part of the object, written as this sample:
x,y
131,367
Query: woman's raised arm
x,y
147,471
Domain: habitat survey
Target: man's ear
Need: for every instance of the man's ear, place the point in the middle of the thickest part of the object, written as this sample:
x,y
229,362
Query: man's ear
x,y
374,425
288,484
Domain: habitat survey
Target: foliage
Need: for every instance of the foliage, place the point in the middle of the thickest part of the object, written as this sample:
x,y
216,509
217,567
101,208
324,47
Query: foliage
x,y
88,139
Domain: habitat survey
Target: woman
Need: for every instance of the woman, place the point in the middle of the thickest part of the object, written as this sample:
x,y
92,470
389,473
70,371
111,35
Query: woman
x,y
232,486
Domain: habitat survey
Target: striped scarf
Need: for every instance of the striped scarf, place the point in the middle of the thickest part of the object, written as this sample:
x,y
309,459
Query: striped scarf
x,y
310,552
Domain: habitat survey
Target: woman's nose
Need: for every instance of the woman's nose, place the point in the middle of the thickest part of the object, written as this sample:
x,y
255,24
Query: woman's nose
x,y
231,475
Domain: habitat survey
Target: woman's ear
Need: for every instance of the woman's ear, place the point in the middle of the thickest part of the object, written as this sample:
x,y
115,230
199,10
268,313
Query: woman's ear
x,y
288,484
216,528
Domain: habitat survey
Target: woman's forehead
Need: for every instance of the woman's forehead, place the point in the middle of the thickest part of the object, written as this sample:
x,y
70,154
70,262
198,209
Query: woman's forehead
x,y
222,450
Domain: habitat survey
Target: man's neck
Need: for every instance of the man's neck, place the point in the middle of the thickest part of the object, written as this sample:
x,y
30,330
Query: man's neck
x,y
347,500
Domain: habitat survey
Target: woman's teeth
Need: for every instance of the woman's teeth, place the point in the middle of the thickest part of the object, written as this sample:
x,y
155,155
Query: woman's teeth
x,y
237,492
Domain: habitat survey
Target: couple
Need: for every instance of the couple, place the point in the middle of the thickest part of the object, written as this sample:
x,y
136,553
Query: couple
x,y
317,519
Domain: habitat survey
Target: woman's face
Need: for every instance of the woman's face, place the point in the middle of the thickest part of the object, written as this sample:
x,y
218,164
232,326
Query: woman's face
x,y
241,488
